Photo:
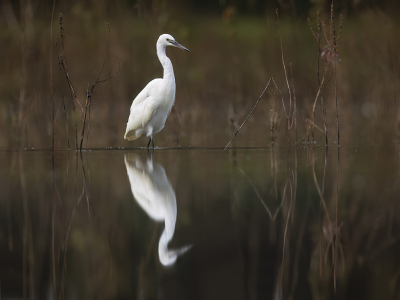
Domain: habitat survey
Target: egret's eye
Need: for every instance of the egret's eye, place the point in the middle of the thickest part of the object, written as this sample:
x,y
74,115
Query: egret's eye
x,y
168,40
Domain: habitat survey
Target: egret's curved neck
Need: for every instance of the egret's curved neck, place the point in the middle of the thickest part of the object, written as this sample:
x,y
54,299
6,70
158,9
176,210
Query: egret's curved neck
x,y
167,257
166,63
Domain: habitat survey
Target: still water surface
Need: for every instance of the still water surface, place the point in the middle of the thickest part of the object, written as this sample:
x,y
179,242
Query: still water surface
x,y
201,224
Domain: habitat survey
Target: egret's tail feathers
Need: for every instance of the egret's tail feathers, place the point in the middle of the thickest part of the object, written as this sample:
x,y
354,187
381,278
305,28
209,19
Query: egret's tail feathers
x,y
130,135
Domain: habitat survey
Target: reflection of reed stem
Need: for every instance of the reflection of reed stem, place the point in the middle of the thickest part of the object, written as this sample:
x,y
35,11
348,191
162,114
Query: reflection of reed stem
x,y
257,193
298,249
27,239
53,255
321,196
53,260
286,226
85,185
336,214
64,270
273,171
9,226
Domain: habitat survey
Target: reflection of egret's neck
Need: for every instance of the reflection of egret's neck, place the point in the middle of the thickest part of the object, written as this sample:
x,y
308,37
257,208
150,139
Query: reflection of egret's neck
x,y
168,257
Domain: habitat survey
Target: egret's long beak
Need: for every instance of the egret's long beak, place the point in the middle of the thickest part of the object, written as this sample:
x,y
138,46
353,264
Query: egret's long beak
x,y
176,44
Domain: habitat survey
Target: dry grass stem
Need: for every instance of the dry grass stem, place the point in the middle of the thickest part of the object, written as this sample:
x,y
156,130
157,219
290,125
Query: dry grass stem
x,y
330,55
324,108
315,125
294,105
333,36
51,77
63,65
284,69
92,92
89,93
289,114
259,98
274,119
315,102
66,118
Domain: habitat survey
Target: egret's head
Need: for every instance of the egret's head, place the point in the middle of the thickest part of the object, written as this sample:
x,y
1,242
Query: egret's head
x,y
167,40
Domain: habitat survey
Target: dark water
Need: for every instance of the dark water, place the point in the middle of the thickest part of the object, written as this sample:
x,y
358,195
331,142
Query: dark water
x,y
201,224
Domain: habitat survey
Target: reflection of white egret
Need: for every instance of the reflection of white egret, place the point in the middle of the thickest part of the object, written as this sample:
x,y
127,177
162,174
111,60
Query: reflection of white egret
x,y
154,193
152,106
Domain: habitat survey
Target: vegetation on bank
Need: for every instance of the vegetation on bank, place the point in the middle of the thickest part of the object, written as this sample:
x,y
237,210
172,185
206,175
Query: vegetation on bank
x,y
233,56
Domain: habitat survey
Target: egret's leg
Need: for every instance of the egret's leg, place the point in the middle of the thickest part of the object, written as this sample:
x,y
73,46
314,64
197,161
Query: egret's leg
x,y
147,148
150,155
152,142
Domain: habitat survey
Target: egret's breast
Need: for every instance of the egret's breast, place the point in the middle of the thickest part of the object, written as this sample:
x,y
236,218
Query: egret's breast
x,y
169,92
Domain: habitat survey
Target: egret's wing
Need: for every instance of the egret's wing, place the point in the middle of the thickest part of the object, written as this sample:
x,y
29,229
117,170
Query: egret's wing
x,y
143,108
148,90
139,117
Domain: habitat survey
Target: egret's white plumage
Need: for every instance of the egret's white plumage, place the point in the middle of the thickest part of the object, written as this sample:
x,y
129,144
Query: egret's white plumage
x,y
151,107
154,193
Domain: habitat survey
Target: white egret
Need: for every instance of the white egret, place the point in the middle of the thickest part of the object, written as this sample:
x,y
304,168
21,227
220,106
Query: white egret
x,y
153,192
152,106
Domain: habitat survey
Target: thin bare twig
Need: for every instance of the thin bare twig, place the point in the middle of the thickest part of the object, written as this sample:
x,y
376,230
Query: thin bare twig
x,y
312,123
66,118
315,101
324,107
284,68
259,98
63,65
89,95
51,75
335,56
294,105
288,113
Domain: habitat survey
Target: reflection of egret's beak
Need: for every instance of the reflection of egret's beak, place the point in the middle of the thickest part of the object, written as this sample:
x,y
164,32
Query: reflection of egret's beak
x,y
176,44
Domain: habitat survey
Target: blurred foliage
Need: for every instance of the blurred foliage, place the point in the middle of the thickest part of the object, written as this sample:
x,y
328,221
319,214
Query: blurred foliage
x,y
243,7
235,50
